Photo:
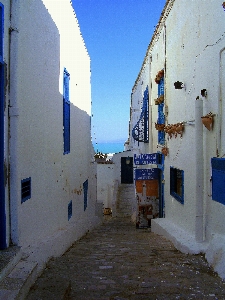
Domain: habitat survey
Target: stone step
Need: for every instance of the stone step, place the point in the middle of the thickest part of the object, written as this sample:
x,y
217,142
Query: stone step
x,y
17,283
57,288
9,258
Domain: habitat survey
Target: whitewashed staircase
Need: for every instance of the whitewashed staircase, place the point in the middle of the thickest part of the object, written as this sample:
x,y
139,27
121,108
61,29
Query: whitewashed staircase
x,y
126,201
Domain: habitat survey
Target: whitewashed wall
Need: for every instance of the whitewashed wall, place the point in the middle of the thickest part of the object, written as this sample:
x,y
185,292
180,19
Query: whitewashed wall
x,y
48,40
189,44
105,184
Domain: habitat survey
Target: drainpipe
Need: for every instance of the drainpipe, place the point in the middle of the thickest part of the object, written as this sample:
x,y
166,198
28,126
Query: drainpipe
x,y
199,171
13,119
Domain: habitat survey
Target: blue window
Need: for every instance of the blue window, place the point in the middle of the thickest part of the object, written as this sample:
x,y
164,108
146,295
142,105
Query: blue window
x,y
70,210
85,189
177,184
25,189
66,111
218,179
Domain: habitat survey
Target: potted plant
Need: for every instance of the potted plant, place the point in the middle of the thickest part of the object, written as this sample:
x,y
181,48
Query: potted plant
x,y
100,157
159,100
159,75
207,120
159,127
165,151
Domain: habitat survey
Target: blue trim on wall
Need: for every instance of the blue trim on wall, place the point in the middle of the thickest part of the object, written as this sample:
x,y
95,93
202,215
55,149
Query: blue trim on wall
x,y
2,100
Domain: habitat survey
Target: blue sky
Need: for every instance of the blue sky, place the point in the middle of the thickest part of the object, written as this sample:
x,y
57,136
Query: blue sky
x,y
117,34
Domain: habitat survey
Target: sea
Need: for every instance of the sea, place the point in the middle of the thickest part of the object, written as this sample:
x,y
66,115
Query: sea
x,y
109,147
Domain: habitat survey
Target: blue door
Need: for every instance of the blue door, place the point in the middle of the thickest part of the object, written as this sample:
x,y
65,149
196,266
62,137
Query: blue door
x,y
2,176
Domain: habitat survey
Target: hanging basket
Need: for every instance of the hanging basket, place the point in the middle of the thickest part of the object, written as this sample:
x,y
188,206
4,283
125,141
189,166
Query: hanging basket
x,y
207,121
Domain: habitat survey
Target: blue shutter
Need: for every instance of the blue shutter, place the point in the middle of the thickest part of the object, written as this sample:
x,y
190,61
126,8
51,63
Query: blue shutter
x,y
2,101
218,179
66,112
161,116
85,189
70,210
1,32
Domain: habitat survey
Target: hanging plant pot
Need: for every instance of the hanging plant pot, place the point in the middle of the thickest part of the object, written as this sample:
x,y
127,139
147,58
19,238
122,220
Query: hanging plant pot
x,y
179,128
165,151
207,121
159,127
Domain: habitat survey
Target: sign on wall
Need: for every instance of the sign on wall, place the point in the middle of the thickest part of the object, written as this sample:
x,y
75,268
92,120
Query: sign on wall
x,y
146,174
145,159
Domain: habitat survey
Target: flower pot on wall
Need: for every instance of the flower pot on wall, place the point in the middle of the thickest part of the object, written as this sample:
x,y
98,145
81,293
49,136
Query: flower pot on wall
x,y
159,127
159,100
165,151
159,75
207,121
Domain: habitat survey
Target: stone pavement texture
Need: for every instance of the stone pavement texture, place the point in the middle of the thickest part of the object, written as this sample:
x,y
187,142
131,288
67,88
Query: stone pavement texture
x,y
116,261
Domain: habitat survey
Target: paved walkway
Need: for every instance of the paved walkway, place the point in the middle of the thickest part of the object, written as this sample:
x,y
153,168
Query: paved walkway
x,y
116,261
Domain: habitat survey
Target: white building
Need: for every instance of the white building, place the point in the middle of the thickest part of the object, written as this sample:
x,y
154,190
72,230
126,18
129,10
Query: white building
x,y
184,72
48,174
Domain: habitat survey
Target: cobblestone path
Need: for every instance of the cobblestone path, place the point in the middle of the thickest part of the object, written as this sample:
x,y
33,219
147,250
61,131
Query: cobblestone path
x,y
116,261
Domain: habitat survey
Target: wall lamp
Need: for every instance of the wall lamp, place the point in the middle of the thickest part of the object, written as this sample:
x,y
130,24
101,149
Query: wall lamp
x,y
127,160
179,85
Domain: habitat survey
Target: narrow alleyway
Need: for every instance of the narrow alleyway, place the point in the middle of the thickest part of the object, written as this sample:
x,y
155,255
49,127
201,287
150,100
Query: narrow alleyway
x,y
117,261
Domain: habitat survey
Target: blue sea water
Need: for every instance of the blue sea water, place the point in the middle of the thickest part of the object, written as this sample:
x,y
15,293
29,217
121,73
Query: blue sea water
x,y
109,147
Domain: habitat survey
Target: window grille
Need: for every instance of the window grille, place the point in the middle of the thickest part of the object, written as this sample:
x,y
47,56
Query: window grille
x,y
70,210
140,130
177,184
25,189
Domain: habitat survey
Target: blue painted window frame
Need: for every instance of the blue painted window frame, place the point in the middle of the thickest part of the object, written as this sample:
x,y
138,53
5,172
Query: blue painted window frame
x,y
85,189
70,210
175,175
25,189
3,244
66,111
218,179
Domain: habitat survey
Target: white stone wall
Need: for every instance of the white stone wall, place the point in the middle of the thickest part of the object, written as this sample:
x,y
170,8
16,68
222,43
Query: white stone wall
x,y
189,44
105,184
45,43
